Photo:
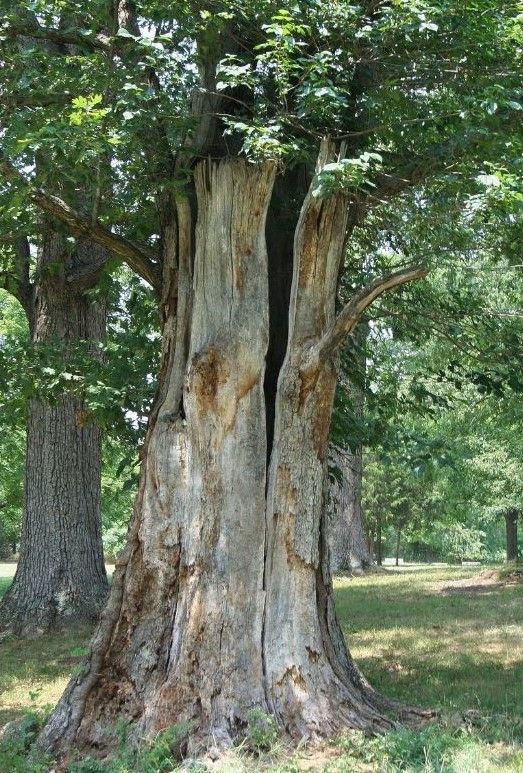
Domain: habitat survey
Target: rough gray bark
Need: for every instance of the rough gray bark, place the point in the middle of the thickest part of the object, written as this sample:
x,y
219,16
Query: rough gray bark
x,y
61,574
345,530
221,600
346,534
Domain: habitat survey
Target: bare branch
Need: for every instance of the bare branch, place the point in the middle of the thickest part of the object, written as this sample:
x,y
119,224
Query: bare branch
x,y
141,259
405,176
61,37
352,312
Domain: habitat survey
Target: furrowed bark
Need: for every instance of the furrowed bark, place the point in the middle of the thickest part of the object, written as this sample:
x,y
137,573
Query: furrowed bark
x,y
61,575
345,530
346,535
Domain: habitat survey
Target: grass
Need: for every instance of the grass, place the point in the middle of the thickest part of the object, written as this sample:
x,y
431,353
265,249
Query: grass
x,y
449,650
458,650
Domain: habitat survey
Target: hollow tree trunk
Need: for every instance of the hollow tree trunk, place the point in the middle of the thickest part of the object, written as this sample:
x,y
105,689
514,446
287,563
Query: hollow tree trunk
x,y
511,527
221,600
61,573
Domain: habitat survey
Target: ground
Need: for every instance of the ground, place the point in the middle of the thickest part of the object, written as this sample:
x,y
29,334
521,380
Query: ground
x,y
445,637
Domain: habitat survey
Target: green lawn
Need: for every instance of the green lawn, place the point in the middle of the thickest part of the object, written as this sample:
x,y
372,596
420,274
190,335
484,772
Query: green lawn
x,y
448,650
458,650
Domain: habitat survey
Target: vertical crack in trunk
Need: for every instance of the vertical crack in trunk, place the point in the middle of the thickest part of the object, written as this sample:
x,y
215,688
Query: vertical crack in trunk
x,y
218,607
282,219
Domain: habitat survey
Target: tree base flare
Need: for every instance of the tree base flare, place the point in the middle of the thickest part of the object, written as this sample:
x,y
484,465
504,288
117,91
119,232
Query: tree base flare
x,y
307,706
22,613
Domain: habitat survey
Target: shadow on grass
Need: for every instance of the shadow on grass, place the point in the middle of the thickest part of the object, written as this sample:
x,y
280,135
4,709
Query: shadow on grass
x,y
373,606
33,671
5,582
488,687
453,652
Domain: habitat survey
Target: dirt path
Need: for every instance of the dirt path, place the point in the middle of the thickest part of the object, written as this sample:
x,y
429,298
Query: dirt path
x,y
485,581
8,569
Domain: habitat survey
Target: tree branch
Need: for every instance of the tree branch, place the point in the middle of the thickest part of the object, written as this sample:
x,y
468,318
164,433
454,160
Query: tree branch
x,y
61,37
352,312
140,258
10,284
405,176
17,99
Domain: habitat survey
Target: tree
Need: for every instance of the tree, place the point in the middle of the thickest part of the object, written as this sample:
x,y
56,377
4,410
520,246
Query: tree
x,y
344,520
114,388
445,387
221,600
511,523
61,574
348,546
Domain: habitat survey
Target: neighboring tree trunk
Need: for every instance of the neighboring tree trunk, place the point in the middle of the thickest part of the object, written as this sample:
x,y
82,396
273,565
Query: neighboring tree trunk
x,y
398,541
61,575
511,525
346,534
379,542
221,600
345,529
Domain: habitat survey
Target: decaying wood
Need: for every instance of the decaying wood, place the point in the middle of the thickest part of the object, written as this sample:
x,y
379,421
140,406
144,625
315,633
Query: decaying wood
x,y
222,600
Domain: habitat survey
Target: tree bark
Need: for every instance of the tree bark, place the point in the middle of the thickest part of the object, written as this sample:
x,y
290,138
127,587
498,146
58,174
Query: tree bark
x,y
221,601
511,526
61,575
379,542
346,534
398,540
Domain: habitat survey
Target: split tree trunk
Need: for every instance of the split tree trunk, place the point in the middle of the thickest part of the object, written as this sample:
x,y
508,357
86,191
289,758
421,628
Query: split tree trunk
x,y
221,601
61,575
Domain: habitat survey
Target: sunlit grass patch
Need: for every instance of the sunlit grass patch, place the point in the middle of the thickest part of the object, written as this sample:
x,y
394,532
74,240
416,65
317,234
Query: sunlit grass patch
x,y
5,582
